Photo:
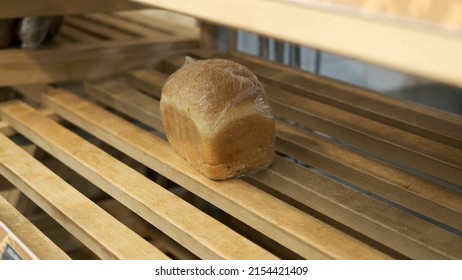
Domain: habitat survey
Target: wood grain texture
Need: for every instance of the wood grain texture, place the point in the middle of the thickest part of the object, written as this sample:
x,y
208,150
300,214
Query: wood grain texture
x,y
30,235
192,228
87,61
5,127
294,229
95,228
126,100
22,8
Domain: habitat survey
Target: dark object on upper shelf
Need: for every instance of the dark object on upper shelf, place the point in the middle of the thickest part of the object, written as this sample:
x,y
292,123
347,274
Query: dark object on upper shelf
x,y
29,32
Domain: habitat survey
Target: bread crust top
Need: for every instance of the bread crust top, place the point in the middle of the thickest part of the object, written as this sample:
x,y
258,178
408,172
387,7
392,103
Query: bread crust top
x,y
214,90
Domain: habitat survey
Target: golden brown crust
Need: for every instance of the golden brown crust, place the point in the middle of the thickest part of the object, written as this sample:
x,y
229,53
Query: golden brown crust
x,y
216,115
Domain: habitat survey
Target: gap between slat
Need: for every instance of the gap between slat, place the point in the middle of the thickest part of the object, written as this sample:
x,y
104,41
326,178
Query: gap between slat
x,y
88,222
441,204
29,234
295,230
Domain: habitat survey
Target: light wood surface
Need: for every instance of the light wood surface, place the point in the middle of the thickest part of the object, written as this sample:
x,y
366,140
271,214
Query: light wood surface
x,y
75,33
384,223
32,237
99,231
162,22
296,230
190,227
22,8
374,218
394,184
432,53
443,14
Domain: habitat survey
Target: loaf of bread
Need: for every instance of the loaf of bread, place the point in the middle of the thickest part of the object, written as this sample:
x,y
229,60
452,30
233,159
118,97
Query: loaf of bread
x,y
216,115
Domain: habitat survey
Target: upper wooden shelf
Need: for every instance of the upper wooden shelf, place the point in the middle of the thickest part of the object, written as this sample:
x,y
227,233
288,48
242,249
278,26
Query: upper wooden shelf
x,y
423,38
442,14
22,8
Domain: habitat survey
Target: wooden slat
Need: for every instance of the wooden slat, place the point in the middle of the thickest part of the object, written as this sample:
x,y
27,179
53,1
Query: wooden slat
x,y
32,237
192,228
413,192
427,122
397,145
88,61
5,127
404,233
149,81
102,31
22,8
439,13
385,224
77,34
393,143
435,201
294,229
126,100
154,22
94,227
429,52
124,25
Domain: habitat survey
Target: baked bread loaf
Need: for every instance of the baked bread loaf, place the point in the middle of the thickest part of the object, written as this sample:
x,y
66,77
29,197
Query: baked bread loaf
x,y
216,115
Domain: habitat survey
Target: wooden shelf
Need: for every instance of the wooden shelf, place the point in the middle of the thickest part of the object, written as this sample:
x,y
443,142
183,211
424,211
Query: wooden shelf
x,y
366,224
428,50
95,45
